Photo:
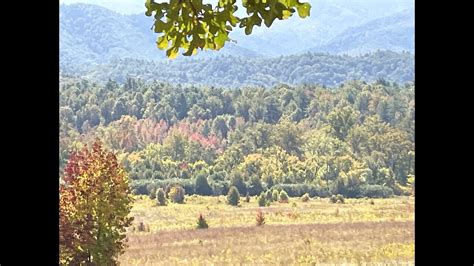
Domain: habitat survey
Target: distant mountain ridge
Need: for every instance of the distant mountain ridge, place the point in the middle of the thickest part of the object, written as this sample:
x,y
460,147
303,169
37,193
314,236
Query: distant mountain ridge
x,y
91,34
233,71
395,32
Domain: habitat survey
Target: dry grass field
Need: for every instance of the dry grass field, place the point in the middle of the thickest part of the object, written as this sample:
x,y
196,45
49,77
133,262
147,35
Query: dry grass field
x,y
314,232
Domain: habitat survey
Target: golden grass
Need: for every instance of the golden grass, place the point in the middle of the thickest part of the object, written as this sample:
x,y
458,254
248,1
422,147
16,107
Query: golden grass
x,y
314,232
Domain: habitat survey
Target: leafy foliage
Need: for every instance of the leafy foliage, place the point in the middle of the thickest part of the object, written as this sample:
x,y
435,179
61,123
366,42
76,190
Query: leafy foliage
x,y
305,197
160,197
190,24
233,196
177,194
283,197
94,203
262,200
305,139
201,222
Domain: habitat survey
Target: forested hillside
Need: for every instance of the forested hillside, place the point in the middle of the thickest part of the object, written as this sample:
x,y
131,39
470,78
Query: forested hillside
x,y
356,140
232,71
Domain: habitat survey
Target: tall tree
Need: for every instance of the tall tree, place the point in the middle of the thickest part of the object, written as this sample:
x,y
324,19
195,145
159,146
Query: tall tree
x,y
94,204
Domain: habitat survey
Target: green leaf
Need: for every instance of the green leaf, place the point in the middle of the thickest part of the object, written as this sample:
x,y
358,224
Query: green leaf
x,y
303,10
220,40
172,53
160,26
162,42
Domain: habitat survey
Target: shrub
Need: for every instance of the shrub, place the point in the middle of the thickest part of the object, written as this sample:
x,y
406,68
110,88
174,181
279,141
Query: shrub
x,y
233,196
298,190
260,219
262,200
333,199
247,197
376,191
160,197
152,193
201,186
305,197
201,222
177,194
268,196
283,197
339,198
167,191
275,195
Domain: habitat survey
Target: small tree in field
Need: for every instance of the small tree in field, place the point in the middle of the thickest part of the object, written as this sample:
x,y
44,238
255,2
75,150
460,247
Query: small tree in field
x,y
233,196
262,200
283,197
160,197
275,195
201,222
177,194
260,219
268,196
94,203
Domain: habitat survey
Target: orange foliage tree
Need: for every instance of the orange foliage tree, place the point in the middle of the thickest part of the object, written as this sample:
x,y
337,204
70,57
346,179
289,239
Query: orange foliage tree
x,y
94,206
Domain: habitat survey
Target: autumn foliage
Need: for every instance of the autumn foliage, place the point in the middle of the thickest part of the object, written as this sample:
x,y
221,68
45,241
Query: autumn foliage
x,y
94,205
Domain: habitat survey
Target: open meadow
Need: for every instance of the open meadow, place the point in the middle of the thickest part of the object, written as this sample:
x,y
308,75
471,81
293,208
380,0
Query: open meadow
x,y
360,231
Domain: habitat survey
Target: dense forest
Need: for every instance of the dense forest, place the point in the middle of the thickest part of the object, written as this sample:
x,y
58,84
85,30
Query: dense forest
x,y
356,139
232,71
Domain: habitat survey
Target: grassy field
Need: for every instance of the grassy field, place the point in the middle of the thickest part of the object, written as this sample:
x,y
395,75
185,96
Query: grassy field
x,y
314,232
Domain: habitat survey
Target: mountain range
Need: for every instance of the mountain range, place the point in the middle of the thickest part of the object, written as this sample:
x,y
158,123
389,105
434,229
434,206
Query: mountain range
x,y
92,34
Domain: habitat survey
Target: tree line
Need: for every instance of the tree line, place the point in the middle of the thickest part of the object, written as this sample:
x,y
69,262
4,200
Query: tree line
x,y
354,140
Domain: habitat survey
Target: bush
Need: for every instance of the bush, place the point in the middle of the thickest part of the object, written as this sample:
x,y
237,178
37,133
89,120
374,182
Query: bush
x,y
160,197
275,195
152,194
201,222
376,191
333,199
262,200
144,186
305,197
260,219
298,190
283,197
339,198
233,196
177,194
201,186
268,196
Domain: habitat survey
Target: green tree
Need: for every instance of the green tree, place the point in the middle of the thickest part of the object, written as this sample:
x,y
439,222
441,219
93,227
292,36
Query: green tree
x,y
160,197
233,196
201,185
